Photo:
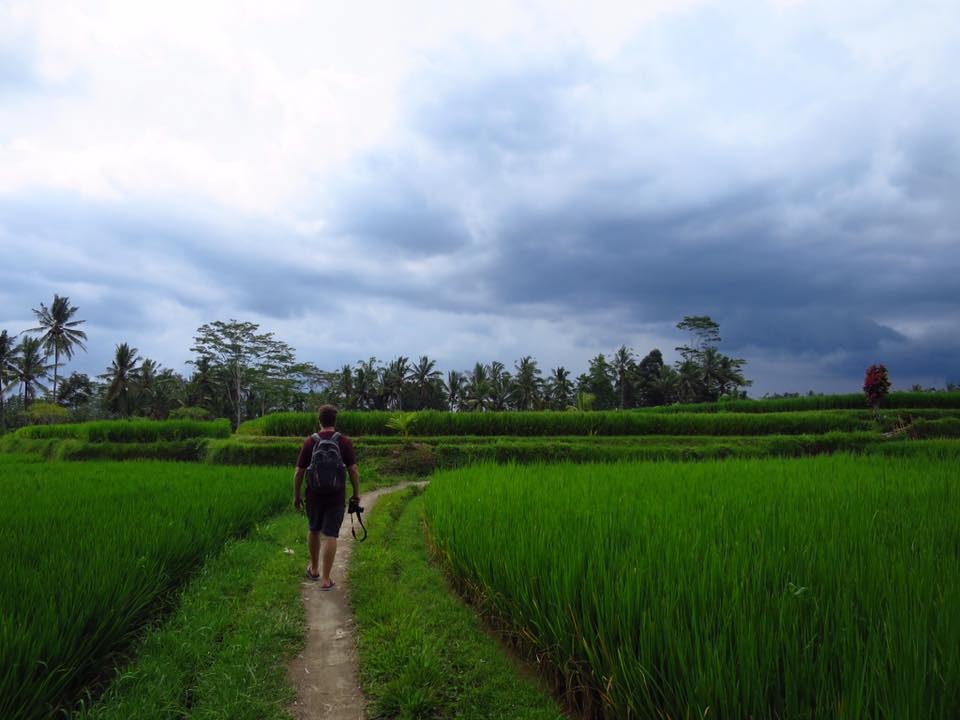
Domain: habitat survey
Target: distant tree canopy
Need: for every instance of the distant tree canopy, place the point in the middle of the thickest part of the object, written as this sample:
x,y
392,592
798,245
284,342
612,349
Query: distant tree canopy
x,y
241,372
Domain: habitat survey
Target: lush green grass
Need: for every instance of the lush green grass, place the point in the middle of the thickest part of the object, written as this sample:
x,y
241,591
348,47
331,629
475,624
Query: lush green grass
x,y
129,431
388,455
852,401
423,654
90,548
821,587
223,652
358,424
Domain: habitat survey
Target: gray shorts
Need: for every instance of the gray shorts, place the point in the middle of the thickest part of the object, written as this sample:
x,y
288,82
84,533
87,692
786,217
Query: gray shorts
x,y
325,513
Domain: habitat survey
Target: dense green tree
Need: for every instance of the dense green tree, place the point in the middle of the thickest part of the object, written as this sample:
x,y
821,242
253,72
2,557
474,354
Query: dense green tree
x,y
203,389
667,387
705,373
76,391
342,382
623,366
246,359
156,390
527,384
647,377
365,382
478,388
426,382
598,381
31,368
169,393
8,373
456,388
121,380
560,388
394,378
60,335
500,384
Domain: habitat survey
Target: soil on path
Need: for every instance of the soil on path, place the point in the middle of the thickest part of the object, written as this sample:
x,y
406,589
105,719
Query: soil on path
x,y
325,674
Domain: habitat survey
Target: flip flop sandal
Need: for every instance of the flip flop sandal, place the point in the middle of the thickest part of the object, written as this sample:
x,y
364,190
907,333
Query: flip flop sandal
x,y
310,576
328,587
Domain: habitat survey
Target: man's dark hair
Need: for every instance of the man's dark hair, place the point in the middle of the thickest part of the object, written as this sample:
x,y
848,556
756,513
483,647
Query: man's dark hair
x,y
328,415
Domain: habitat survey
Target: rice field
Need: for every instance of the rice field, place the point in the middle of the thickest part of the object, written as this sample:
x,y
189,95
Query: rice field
x,y
128,431
90,549
820,587
432,422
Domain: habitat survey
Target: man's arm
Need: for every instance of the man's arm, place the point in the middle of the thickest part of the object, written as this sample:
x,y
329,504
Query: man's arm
x,y
297,482
355,479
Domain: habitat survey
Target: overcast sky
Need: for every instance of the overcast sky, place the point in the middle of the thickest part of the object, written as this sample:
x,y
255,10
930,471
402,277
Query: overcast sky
x,y
482,181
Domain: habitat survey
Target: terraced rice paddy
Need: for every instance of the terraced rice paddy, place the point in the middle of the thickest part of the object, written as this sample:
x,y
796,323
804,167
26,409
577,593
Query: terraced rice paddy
x,y
90,548
822,587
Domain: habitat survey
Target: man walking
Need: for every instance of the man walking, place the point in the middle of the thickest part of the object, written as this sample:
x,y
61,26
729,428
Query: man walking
x,y
325,508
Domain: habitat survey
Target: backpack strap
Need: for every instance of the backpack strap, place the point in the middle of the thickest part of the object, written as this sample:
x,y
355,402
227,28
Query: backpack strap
x,y
316,438
335,437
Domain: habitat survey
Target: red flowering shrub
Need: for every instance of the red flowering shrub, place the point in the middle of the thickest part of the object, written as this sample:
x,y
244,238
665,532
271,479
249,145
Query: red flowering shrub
x,y
876,384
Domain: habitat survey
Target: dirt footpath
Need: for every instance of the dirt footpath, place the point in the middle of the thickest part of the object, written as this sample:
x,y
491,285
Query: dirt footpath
x,y
325,674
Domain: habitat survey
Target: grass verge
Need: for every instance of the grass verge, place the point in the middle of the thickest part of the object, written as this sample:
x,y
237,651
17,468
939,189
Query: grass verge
x,y
423,653
224,651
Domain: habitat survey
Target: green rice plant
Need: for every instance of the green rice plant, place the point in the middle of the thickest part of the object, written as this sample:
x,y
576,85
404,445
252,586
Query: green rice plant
x,y
231,452
431,422
945,428
849,401
821,587
91,550
128,431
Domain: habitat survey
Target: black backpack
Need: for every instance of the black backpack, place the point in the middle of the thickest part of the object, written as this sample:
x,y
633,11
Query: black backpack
x,y
325,474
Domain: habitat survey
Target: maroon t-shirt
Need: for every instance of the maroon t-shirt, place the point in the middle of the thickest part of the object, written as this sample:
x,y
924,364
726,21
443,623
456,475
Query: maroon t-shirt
x,y
347,452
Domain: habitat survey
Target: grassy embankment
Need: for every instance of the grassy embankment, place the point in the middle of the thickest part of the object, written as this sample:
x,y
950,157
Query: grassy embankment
x,y
820,587
699,436
552,424
423,654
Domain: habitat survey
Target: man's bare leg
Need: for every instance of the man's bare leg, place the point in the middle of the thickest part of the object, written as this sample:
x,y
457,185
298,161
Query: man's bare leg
x,y
313,542
329,551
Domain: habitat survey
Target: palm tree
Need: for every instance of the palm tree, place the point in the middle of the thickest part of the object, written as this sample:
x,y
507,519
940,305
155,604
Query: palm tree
x,y
344,386
31,367
204,386
120,377
364,383
711,374
395,378
689,383
527,384
666,388
8,372
60,335
500,385
456,386
560,388
623,366
168,393
424,376
144,386
478,388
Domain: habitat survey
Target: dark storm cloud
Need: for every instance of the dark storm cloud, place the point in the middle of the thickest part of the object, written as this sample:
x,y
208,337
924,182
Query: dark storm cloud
x,y
813,253
407,220
795,185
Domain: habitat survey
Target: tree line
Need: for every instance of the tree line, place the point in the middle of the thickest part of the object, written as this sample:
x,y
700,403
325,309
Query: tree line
x,y
240,372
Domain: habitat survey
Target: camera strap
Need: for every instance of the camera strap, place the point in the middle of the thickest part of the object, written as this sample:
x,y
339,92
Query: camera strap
x,y
353,530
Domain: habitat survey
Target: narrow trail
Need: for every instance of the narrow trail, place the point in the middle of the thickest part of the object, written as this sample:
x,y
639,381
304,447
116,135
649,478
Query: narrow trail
x,y
326,674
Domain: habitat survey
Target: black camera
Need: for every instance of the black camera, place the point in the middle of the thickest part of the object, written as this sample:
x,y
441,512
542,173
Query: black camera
x,y
354,506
